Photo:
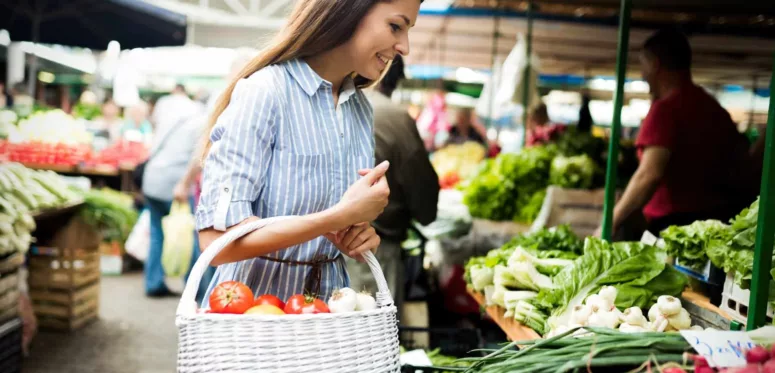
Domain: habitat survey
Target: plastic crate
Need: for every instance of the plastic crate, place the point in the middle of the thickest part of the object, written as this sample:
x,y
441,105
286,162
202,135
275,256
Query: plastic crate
x,y
734,301
11,346
708,281
451,342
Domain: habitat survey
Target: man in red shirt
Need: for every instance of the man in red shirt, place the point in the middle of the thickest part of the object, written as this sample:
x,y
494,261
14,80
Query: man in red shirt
x,y
694,164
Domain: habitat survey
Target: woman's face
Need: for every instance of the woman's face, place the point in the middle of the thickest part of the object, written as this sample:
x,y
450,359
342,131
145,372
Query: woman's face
x,y
110,110
382,34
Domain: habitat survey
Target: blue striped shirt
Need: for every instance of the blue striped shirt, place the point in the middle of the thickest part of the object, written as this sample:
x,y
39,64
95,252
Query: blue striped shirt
x,y
281,148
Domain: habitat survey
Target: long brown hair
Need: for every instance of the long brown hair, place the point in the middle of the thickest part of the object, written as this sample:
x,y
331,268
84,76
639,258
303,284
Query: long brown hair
x,y
313,27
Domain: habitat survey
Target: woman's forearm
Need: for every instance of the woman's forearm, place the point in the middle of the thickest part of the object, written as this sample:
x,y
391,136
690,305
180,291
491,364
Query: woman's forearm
x,y
275,237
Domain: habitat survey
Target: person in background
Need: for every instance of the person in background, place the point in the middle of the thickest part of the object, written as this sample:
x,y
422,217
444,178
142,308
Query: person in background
x,y
6,100
694,164
106,127
414,185
136,127
169,109
464,129
539,129
23,103
171,153
585,116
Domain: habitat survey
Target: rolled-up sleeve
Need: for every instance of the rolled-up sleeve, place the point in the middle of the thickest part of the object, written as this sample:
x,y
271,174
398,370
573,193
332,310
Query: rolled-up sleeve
x,y
236,166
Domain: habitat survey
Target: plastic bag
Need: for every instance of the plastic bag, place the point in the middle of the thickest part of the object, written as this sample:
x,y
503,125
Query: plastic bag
x,y
139,241
178,247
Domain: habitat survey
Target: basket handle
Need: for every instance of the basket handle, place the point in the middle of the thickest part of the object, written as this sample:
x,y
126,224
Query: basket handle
x,y
188,305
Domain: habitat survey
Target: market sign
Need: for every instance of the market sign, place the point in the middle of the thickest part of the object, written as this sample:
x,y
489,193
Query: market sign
x,y
723,349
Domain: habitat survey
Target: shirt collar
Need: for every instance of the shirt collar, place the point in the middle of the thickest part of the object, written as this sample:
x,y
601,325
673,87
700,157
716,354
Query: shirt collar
x,y
307,78
310,81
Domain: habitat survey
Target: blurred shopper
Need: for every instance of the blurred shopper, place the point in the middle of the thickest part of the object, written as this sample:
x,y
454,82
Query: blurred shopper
x,y
169,109
539,128
292,136
585,115
694,164
136,127
414,186
107,126
23,103
173,148
6,100
464,129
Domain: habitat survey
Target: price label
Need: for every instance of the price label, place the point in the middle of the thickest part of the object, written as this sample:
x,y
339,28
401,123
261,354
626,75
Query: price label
x,y
648,238
722,349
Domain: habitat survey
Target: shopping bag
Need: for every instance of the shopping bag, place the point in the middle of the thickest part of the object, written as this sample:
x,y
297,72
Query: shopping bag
x,y
139,241
178,247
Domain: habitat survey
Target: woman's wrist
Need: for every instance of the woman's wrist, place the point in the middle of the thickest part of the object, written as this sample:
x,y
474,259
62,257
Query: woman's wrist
x,y
335,218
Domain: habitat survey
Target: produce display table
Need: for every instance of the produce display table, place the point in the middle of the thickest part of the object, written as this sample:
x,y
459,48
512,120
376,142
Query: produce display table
x,y
61,210
704,313
513,329
51,167
119,178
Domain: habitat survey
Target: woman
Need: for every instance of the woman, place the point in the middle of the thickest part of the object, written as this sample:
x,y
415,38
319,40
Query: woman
x,y
109,124
465,130
539,130
137,128
290,136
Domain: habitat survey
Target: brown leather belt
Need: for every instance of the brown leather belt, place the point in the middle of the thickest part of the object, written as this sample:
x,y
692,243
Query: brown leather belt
x,y
315,276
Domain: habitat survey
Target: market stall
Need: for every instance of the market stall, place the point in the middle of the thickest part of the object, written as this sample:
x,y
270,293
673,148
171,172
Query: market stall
x,y
526,286
56,141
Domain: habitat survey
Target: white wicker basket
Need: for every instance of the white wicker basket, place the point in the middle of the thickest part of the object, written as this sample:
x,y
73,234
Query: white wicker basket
x,y
344,342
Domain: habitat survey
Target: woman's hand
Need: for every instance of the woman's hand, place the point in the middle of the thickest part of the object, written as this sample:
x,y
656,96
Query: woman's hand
x,y
355,240
367,197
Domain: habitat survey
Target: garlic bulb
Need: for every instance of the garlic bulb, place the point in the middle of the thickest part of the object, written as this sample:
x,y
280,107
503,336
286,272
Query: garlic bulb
x,y
580,314
680,321
668,306
608,293
634,316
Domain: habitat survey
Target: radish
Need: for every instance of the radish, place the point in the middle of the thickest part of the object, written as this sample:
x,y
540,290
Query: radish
x,y
673,370
703,369
769,367
750,368
757,355
700,361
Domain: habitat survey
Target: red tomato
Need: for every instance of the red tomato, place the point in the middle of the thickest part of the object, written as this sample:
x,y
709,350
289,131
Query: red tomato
x,y
270,300
300,304
231,297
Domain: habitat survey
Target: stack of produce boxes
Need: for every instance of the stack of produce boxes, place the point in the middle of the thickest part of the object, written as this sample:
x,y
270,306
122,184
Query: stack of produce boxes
x,y
64,276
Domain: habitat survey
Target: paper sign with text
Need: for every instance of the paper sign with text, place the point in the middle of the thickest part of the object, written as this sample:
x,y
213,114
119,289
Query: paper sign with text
x,y
721,348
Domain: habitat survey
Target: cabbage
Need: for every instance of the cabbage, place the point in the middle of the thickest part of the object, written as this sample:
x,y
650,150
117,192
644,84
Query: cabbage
x,y
577,172
688,243
510,187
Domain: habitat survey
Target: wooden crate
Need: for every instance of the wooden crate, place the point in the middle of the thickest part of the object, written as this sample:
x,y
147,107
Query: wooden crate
x,y
66,269
9,304
9,296
66,309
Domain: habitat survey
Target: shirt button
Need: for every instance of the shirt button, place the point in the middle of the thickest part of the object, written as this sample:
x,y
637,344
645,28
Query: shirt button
x,y
226,190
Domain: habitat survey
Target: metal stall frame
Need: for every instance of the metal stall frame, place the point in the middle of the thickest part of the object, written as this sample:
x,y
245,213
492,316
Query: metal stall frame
x,y
616,122
765,231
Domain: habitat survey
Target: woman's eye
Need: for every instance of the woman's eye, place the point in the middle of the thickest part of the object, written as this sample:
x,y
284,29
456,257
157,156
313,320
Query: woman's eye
x,y
395,27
